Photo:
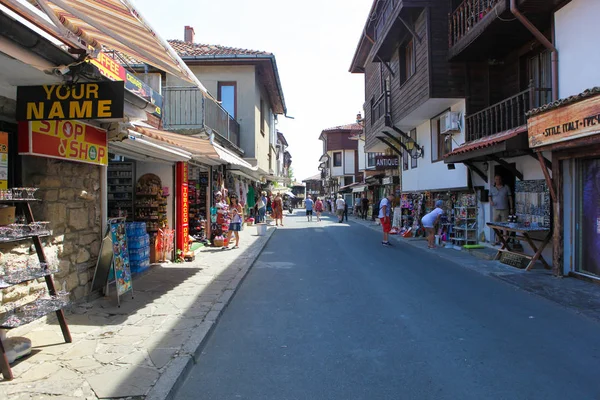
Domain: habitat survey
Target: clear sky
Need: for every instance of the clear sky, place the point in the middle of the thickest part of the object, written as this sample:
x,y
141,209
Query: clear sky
x,y
313,42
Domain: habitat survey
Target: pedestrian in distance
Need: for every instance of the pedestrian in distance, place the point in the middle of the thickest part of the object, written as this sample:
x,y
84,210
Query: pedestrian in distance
x,y
385,211
235,226
309,208
364,206
346,211
502,202
430,220
340,206
277,213
319,208
262,207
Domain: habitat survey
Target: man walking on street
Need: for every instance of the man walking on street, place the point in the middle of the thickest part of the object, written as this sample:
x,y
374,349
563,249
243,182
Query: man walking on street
x,y
385,210
309,208
346,210
340,205
364,206
502,202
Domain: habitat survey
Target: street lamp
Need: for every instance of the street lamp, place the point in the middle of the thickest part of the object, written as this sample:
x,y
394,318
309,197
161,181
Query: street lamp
x,y
414,150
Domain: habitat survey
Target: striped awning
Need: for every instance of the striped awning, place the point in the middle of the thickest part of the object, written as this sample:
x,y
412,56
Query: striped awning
x,y
195,146
200,149
117,25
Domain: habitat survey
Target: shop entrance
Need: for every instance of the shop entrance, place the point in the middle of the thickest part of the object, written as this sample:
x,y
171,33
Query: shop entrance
x,y
588,216
508,178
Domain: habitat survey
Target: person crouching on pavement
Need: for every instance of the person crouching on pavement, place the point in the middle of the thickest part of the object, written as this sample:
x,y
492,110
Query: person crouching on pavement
x,y
385,210
429,222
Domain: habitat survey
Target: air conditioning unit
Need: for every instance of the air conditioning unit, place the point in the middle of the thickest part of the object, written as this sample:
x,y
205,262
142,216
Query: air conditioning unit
x,y
450,123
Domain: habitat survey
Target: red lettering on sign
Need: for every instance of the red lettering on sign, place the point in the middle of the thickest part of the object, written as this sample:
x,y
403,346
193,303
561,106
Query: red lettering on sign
x,y
182,221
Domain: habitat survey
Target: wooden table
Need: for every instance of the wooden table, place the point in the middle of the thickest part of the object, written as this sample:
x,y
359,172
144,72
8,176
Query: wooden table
x,y
504,229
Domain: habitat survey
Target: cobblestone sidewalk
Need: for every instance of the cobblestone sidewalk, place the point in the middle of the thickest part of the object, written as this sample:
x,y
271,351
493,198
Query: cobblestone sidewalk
x,y
141,349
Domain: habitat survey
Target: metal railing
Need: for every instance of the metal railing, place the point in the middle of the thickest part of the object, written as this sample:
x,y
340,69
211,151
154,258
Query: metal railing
x,y
505,115
466,16
187,108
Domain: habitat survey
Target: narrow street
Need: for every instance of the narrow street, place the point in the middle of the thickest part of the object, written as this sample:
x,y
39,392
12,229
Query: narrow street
x,y
326,314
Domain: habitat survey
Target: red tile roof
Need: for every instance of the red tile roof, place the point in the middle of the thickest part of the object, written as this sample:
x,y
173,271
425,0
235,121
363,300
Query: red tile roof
x,y
349,127
487,141
186,49
316,177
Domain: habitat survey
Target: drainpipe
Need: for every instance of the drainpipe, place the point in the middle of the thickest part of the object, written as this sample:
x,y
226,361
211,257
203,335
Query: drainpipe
x,y
540,36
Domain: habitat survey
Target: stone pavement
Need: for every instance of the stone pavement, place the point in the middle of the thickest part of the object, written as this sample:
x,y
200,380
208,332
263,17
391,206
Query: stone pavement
x,y
579,296
142,349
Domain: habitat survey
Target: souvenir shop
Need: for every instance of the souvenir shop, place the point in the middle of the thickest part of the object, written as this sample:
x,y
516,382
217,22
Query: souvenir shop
x,y
458,226
141,190
569,130
225,183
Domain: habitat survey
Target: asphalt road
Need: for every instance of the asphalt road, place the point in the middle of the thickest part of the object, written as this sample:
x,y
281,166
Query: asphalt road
x,y
328,313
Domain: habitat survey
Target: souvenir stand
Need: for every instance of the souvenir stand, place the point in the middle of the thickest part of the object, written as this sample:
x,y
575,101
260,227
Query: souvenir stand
x,y
19,200
462,228
408,213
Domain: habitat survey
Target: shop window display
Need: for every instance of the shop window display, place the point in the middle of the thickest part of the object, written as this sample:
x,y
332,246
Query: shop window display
x,y
120,180
589,217
151,208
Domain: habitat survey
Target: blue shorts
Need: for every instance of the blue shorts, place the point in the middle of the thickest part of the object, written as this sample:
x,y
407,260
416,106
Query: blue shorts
x,y
235,226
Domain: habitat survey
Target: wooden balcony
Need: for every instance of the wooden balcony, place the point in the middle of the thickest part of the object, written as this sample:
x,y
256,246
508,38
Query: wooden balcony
x,y
505,115
467,16
186,109
482,29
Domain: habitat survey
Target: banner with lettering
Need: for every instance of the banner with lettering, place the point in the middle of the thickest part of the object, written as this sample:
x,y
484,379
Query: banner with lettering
x,y
114,71
570,122
3,160
183,225
67,140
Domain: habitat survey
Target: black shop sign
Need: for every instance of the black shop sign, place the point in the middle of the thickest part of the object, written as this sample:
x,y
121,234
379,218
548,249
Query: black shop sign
x,y
386,162
98,100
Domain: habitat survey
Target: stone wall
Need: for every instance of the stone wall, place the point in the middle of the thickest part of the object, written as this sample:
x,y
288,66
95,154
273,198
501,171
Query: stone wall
x,y
72,203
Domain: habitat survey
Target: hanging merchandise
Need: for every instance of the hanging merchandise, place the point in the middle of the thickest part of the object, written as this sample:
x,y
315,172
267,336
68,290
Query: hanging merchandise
x,y
165,241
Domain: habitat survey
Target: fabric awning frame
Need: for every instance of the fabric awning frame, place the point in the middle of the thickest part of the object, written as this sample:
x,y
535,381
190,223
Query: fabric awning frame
x,y
113,24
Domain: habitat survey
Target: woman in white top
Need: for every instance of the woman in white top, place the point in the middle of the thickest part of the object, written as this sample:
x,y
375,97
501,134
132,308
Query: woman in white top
x,y
430,220
340,205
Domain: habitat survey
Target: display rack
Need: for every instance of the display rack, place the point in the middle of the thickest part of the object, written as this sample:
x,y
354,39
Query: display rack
x,y
150,204
465,226
121,184
32,311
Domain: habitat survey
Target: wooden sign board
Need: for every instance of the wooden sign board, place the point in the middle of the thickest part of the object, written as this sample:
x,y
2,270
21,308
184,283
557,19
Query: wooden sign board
x,y
91,100
566,123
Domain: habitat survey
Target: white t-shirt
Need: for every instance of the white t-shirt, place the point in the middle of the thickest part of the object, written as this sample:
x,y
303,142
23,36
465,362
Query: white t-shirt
x,y
430,218
384,202
340,204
